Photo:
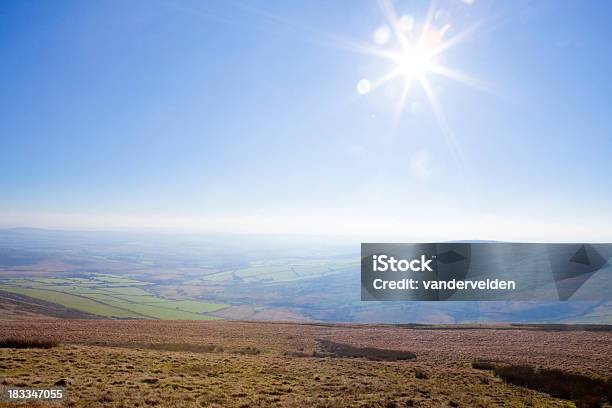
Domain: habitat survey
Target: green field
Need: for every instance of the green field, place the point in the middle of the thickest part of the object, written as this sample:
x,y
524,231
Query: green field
x,y
110,296
283,270
72,301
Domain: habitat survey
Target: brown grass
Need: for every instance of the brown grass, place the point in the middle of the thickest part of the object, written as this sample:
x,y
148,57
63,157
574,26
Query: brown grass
x,y
23,342
333,349
193,348
584,391
247,351
128,377
483,365
421,374
234,364
582,352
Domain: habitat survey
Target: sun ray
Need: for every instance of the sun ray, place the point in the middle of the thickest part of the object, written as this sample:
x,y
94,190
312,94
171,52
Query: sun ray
x,y
459,77
426,25
360,48
417,58
389,10
386,78
442,122
414,57
456,39
402,101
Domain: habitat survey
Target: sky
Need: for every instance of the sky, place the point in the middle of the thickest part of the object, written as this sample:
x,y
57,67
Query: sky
x,y
270,116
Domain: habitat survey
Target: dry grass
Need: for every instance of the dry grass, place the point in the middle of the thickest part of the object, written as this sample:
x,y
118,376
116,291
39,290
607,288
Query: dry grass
x,y
483,365
125,377
238,364
584,391
333,349
25,342
581,352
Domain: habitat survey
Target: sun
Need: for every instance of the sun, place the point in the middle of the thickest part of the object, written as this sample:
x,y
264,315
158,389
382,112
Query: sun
x,y
413,63
415,51
415,54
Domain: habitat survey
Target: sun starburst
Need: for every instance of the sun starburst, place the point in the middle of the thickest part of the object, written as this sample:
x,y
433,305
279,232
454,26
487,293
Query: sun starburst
x,y
415,50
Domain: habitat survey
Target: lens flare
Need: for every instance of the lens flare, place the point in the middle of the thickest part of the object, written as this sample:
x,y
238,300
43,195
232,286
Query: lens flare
x,y
415,50
364,86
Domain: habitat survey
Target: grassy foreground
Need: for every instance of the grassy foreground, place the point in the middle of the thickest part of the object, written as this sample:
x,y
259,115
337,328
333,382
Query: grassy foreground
x,y
240,364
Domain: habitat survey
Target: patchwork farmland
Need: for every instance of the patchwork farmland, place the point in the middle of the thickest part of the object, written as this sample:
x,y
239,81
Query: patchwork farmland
x,y
110,296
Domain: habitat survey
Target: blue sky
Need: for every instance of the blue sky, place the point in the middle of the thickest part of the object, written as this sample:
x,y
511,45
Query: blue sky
x,y
246,117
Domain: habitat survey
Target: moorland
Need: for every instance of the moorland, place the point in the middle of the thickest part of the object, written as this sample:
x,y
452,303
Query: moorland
x,y
128,363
